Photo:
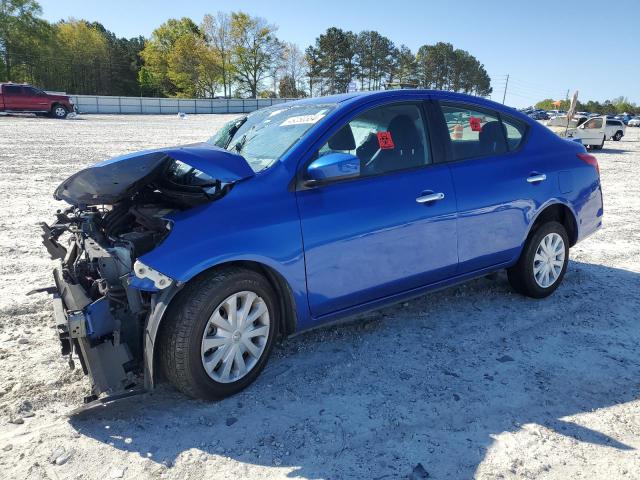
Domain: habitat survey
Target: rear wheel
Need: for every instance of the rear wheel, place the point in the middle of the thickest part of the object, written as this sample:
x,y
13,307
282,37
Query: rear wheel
x,y
59,111
218,335
543,262
618,136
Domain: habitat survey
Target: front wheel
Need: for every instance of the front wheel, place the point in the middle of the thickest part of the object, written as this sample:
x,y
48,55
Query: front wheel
x,y
59,111
218,335
543,262
618,136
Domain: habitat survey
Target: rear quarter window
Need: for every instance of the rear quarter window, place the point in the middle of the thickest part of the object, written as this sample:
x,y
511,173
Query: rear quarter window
x,y
515,132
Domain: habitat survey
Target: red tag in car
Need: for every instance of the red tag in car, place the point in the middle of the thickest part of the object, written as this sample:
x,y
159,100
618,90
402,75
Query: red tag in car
x,y
385,141
474,122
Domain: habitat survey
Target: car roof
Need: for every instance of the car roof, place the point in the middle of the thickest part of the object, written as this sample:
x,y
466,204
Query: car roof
x,y
352,99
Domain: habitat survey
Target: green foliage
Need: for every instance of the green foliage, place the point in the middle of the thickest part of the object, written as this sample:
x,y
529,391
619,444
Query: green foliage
x,y
22,34
615,106
254,48
232,52
332,60
287,88
441,67
162,69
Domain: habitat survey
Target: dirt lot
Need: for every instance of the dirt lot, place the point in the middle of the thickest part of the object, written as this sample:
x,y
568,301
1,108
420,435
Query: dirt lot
x,y
470,381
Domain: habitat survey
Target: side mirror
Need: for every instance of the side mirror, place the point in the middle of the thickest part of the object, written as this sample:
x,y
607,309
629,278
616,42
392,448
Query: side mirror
x,y
333,166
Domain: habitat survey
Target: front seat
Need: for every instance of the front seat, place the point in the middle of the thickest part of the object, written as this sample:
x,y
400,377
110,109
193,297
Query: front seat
x,y
492,138
408,149
343,139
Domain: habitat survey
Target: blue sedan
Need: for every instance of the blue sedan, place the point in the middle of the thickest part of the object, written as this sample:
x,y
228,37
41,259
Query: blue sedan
x,y
192,261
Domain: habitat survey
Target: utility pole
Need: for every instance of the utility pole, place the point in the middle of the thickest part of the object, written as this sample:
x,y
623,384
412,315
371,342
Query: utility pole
x,y
505,89
566,97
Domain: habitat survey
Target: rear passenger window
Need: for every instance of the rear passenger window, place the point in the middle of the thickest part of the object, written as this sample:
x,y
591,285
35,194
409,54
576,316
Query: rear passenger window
x,y
385,139
474,133
12,90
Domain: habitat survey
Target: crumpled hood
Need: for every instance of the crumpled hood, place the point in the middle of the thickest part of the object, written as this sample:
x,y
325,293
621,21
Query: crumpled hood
x,y
112,180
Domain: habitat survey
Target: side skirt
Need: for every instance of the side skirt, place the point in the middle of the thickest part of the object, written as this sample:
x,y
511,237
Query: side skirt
x,y
346,314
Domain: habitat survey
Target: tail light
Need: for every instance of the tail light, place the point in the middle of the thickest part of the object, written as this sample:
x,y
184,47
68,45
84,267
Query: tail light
x,y
590,159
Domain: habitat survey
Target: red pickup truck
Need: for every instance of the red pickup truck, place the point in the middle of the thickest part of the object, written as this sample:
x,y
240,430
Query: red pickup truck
x,y
24,98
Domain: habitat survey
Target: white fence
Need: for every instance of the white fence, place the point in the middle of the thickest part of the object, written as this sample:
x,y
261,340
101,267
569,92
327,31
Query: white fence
x,y
104,104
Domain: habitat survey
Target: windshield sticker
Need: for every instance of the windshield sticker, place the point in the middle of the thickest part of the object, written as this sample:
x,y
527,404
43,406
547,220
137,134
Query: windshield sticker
x,y
385,141
474,122
303,119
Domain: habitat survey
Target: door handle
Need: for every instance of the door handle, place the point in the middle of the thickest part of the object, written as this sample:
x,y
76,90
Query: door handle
x,y
430,197
536,178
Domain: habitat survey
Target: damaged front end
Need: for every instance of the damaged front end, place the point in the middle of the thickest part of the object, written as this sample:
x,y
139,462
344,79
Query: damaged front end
x,y
121,209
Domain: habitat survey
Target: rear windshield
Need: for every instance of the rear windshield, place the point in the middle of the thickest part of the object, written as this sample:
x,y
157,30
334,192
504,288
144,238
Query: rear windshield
x,y
262,137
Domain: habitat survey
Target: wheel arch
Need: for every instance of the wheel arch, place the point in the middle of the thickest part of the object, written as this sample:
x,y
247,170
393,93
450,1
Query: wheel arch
x,y
559,212
283,291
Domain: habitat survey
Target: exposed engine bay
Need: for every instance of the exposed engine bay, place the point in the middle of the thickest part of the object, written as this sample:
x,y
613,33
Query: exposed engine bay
x,y
103,293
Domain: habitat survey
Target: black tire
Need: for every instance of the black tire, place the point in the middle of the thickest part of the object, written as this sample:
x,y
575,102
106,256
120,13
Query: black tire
x,y
59,111
618,136
521,275
180,337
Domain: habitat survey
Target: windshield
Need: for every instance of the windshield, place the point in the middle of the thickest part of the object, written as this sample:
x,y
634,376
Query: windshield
x,y
262,137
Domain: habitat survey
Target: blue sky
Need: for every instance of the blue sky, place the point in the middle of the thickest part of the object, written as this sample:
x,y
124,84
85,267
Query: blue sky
x,y
547,47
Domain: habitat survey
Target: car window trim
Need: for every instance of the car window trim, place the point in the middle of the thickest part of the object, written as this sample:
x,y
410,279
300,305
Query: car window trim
x,y
299,179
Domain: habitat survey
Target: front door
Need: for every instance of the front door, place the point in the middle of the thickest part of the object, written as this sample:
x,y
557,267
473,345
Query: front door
x,y
35,100
593,131
388,231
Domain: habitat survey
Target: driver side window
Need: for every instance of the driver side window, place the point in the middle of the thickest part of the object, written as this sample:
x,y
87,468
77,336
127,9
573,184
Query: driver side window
x,y
385,139
593,123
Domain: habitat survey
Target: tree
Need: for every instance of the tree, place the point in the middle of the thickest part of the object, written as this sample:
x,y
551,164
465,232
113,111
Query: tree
x,y
254,48
217,32
22,35
375,59
315,71
335,59
154,75
404,66
123,62
193,68
441,67
85,52
295,67
287,88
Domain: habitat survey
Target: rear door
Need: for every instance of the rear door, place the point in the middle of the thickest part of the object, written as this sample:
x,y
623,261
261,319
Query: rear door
x,y
496,186
378,235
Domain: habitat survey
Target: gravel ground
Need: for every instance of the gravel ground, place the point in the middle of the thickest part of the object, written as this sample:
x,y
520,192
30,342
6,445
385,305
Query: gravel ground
x,y
473,381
